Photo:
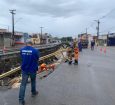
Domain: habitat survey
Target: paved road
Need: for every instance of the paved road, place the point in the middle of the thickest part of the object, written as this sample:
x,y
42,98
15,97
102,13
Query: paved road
x,y
92,82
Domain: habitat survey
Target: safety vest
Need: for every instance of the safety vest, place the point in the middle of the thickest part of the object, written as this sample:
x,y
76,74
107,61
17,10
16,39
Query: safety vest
x,y
76,53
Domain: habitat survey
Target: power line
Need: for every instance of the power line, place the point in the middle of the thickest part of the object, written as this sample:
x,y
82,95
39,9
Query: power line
x,y
17,20
108,29
107,14
98,21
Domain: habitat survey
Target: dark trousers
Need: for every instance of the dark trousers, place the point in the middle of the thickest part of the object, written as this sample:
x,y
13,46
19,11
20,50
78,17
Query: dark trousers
x,y
92,47
24,83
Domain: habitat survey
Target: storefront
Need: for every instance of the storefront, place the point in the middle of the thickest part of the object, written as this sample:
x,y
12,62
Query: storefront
x,y
102,40
111,39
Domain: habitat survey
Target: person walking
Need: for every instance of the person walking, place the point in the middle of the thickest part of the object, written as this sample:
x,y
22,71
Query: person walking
x,y
92,45
29,67
80,46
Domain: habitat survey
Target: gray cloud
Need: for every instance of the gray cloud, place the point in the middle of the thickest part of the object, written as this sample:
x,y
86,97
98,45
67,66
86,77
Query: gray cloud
x,y
54,8
76,15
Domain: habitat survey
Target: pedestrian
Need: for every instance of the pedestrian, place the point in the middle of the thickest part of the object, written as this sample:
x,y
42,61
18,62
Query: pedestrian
x,y
29,67
92,45
80,46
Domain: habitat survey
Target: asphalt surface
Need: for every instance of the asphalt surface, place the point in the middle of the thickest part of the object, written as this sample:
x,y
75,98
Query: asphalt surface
x,y
92,82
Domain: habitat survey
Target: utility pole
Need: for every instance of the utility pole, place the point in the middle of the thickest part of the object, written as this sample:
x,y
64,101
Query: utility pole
x,y
12,36
41,34
98,28
86,34
86,31
108,42
8,28
98,22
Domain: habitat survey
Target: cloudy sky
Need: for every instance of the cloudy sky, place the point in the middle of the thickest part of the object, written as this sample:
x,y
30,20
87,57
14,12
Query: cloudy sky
x,y
59,17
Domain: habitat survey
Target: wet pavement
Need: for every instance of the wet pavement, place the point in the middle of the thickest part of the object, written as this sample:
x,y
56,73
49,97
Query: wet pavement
x,y
92,82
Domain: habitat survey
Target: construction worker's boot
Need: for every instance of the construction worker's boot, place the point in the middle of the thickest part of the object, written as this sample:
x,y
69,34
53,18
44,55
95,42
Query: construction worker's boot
x,y
76,62
70,62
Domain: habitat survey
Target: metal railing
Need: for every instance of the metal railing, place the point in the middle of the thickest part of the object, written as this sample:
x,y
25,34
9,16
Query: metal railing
x,y
19,68
16,50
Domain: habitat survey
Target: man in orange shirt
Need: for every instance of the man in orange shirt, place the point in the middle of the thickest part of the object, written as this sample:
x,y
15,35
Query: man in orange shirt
x,y
76,55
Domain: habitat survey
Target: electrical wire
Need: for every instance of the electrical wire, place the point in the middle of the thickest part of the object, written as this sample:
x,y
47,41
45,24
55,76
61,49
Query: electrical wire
x,y
103,17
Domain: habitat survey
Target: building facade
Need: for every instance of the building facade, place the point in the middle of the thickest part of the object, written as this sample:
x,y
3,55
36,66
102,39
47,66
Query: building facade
x,y
102,40
111,39
5,38
19,38
35,38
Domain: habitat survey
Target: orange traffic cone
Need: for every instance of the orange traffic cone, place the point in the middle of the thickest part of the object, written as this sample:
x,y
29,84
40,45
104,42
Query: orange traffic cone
x,y
105,50
101,49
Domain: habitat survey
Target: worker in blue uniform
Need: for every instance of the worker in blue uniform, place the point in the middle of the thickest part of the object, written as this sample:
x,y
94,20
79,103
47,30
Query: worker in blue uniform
x,y
29,67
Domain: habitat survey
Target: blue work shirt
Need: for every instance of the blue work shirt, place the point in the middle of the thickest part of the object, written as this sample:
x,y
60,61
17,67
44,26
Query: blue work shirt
x,y
30,57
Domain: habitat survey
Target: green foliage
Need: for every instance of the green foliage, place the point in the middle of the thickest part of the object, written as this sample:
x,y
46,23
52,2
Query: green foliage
x,y
66,39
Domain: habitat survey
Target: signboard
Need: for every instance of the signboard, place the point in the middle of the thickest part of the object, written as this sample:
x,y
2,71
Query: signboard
x,y
111,35
103,37
3,30
19,33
